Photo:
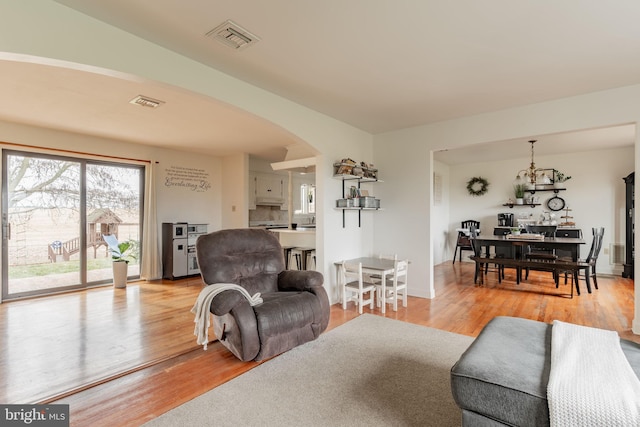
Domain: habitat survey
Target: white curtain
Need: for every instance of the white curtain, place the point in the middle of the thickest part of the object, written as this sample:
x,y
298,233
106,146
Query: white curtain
x,y
151,263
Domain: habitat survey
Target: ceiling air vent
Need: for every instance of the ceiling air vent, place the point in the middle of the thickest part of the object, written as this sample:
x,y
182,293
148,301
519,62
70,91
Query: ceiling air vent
x,y
233,35
145,101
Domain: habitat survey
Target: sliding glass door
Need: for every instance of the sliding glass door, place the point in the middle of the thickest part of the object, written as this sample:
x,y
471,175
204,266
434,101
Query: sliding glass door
x,y
114,206
55,211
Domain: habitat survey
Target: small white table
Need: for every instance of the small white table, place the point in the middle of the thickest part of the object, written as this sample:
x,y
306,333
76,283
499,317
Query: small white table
x,y
372,265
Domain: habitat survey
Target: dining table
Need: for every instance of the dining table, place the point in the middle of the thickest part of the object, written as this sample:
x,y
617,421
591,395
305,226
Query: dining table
x,y
372,265
568,244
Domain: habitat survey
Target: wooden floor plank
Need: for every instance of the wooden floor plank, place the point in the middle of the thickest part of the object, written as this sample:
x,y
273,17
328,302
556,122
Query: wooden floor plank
x,y
156,318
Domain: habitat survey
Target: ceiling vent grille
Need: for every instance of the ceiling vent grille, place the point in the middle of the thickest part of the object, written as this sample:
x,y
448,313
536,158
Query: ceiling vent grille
x,y
145,101
233,35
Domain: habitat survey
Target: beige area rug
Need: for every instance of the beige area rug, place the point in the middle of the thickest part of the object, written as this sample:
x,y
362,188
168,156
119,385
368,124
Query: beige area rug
x,y
369,371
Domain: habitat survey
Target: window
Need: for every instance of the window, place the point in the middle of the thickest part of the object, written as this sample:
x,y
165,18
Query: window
x,y
307,199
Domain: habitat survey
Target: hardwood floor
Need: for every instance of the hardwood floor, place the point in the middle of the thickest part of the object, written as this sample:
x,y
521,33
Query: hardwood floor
x,y
173,370
50,345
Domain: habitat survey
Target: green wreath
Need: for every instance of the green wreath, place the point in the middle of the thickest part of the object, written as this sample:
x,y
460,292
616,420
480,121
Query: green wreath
x,y
477,186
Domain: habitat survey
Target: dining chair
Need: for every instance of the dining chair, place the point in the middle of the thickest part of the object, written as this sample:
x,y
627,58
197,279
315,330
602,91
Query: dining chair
x,y
354,284
565,255
395,284
483,267
536,253
588,264
462,242
501,252
477,255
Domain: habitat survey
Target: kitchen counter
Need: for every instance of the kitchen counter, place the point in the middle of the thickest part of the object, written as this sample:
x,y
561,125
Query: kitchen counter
x,y
297,230
300,237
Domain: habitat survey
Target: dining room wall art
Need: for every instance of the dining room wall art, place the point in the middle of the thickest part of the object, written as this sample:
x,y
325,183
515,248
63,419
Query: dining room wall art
x,y
477,186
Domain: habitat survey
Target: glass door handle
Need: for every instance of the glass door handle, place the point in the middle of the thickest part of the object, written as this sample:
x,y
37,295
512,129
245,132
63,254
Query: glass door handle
x,y
6,227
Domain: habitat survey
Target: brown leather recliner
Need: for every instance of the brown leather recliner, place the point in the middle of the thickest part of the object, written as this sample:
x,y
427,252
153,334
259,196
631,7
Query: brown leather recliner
x,y
295,306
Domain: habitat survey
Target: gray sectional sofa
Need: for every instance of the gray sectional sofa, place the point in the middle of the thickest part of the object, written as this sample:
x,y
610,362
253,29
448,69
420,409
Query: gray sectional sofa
x,y
501,380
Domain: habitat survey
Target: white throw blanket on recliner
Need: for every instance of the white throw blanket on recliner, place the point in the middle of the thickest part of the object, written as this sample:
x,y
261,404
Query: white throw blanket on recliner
x,y
591,383
203,302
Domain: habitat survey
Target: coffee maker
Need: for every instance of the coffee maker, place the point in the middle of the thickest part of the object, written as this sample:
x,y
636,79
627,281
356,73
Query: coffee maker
x,y
505,220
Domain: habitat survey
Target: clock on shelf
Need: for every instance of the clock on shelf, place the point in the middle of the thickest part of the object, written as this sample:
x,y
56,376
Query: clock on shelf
x,y
556,203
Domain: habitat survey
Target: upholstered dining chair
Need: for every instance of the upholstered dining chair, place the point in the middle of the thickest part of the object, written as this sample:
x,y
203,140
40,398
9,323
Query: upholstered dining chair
x,y
462,242
354,287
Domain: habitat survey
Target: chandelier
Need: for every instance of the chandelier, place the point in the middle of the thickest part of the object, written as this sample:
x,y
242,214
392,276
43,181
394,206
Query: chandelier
x,y
529,177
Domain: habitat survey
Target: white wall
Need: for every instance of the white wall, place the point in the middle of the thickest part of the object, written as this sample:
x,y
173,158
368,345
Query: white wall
x,y
178,203
235,191
402,227
441,215
596,195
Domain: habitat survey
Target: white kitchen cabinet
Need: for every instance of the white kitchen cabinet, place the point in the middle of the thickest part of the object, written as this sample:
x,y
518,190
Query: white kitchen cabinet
x,y
269,189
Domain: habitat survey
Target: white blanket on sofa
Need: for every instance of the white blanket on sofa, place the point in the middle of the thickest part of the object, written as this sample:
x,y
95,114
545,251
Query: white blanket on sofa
x,y
591,382
203,302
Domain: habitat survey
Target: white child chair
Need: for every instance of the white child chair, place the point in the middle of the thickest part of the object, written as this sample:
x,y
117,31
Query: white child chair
x,y
354,285
395,284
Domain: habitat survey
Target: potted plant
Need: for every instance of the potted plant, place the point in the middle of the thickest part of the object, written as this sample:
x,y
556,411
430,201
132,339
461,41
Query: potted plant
x,y
561,178
121,254
519,190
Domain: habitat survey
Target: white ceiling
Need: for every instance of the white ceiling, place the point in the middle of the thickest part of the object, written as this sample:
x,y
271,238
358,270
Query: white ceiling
x,y
545,145
97,104
379,65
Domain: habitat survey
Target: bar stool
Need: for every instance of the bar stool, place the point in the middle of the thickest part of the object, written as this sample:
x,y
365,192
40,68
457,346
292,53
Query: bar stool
x,y
311,258
301,254
287,255
294,258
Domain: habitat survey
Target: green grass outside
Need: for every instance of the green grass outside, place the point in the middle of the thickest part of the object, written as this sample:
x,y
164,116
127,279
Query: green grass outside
x,y
46,269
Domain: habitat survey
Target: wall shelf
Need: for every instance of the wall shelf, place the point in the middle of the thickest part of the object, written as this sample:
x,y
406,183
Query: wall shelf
x,y
345,177
533,205
359,179
359,209
555,190
511,205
